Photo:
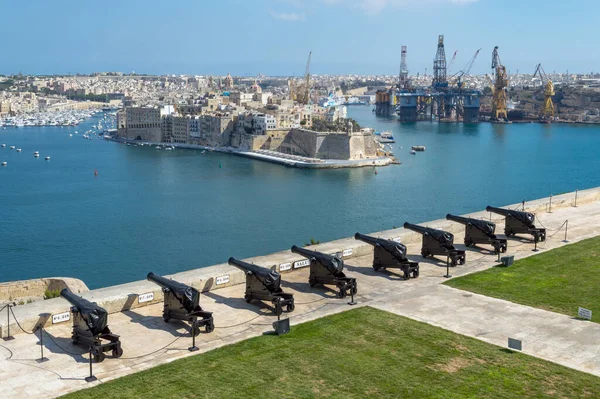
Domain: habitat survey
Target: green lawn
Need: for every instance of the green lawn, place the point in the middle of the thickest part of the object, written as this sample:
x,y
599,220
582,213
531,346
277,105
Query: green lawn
x,y
360,353
560,280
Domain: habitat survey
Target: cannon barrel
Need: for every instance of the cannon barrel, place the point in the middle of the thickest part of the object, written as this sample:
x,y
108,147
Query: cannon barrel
x,y
368,239
416,228
459,219
271,279
333,263
305,252
162,281
95,317
486,227
188,296
524,217
499,211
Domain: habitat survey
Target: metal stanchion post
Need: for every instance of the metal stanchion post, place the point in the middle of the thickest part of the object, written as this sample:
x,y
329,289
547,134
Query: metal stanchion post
x,y
550,211
576,198
351,303
193,348
535,248
523,205
447,267
498,256
42,359
91,377
566,230
8,337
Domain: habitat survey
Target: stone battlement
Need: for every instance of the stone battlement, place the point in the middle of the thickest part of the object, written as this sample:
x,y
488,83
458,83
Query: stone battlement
x,y
126,296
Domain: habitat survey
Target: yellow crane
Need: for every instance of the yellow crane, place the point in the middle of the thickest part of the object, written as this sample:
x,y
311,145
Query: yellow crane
x,y
547,112
499,111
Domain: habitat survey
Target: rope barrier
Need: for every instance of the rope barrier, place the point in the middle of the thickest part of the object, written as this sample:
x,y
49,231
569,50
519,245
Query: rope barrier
x,y
63,349
157,350
239,324
557,231
19,324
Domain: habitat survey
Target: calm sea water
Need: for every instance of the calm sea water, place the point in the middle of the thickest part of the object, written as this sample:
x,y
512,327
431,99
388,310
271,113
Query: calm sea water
x,y
165,212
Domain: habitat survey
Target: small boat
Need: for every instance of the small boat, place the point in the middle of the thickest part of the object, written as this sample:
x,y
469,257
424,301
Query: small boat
x,y
12,147
47,158
418,148
4,163
37,155
168,148
157,147
413,152
3,145
71,135
18,150
386,138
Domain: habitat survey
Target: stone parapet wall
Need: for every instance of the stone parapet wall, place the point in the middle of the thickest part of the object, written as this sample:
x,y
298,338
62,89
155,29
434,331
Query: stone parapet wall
x,y
123,297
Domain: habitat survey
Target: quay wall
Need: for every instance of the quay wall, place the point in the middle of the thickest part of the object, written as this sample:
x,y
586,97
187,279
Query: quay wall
x,y
23,290
125,296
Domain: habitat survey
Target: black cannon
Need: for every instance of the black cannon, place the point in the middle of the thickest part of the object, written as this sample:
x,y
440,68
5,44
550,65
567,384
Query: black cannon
x,y
480,232
327,270
518,222
182,302
264,285
90,327
438,242
390,254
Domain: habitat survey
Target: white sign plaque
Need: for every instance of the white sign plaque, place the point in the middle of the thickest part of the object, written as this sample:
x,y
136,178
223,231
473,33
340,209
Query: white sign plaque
x,y
222,279
302,263
585,313
147,297
285,266
61,317
397,239
347,252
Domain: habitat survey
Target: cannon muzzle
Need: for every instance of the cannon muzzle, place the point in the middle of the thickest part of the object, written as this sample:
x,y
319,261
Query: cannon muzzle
x,y
458,219
304,252
95,317
368,239
499,211
416,228
270,278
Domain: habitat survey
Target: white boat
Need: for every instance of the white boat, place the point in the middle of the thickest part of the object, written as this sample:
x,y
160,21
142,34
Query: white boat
x,y
18,150
413,152
4,163
12,147
157,147
168,148
47,158
3,145
70,135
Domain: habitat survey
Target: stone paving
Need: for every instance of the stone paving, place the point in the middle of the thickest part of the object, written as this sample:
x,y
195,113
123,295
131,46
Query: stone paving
x,y
148,341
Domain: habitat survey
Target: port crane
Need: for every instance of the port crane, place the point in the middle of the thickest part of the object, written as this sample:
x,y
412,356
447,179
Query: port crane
x,y
465,71
548,109
452,61
499,110
303,96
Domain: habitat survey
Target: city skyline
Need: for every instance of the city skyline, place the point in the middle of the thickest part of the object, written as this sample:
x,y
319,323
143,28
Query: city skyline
x,y
273,37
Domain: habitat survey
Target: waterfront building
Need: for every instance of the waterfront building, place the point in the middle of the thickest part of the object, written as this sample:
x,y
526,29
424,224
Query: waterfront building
x,y
137,123
228,82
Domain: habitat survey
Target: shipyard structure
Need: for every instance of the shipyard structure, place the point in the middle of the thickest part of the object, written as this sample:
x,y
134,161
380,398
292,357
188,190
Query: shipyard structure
x,y
447,99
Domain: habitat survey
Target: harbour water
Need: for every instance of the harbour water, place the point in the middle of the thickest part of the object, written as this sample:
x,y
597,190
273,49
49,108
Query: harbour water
x,y
169,211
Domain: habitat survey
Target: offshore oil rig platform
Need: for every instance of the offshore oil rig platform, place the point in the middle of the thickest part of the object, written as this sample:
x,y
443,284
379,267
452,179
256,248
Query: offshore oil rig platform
x,y
446,100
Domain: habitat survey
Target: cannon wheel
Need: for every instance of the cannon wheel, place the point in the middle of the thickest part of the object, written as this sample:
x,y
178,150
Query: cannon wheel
x,y
98,357
209,327
311,283
416,273
117,352
468,243
290,307
248,299
342,293
424,254
354,288
406,275
376,267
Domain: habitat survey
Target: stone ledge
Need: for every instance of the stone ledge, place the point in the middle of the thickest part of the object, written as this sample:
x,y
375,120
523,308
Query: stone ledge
x,y
123,297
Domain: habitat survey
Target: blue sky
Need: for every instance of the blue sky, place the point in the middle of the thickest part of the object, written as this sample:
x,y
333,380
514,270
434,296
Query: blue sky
x,y
246,37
